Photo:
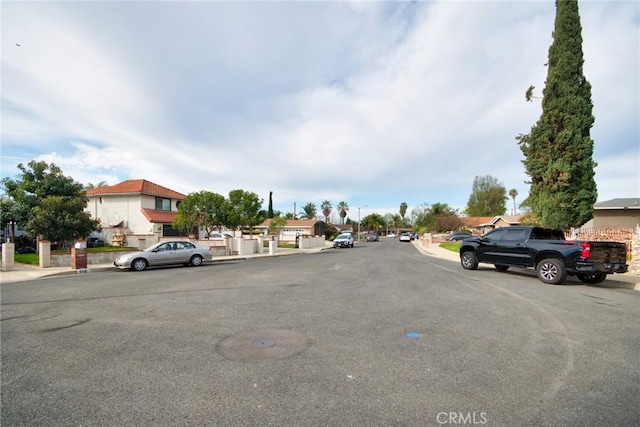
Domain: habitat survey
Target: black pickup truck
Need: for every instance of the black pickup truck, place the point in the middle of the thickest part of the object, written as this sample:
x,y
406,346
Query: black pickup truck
x,y
547,251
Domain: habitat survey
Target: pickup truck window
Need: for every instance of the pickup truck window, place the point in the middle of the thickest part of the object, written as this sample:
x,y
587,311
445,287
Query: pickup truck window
x,y
495,235
537,233
518,234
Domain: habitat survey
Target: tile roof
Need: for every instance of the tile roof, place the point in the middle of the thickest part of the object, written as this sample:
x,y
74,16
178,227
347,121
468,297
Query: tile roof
x,y
154,215
343,226
630,203
136,186
476,221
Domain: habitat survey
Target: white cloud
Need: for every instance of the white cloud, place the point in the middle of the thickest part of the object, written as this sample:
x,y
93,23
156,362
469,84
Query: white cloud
x,y
371,103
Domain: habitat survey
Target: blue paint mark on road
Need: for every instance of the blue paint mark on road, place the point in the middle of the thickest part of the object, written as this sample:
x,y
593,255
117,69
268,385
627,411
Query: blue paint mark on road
x,y
413,335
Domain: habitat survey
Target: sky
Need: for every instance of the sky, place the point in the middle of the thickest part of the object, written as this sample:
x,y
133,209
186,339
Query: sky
x,y
370,103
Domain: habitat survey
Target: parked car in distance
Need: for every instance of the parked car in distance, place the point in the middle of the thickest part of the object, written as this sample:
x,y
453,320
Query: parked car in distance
x,y
372,237
459,236
26,250
219,236
405,237
164,253
391,235
343,241
94,242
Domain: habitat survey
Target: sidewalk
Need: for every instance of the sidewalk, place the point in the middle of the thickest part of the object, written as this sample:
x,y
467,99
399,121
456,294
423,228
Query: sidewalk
x,y
23,272
626,280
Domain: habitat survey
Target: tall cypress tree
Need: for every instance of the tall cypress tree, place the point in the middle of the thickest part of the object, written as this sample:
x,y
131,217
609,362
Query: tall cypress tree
x,y
559,150
270,211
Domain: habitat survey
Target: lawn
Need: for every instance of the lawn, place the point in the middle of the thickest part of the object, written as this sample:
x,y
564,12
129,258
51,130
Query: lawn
x,y
452,246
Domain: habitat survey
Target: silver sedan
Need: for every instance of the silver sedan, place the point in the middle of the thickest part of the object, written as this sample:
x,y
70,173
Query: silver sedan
x,y
164,253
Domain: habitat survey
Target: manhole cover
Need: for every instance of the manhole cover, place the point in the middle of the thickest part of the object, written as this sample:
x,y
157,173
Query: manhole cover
x,y
262,344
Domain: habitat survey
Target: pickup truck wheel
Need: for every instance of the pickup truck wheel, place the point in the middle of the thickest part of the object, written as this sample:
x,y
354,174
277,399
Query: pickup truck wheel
x,y
501,267
552,271
592,278
469,260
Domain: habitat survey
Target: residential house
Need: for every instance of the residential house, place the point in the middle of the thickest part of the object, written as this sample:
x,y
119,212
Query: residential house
x,y
481,225
343,228
135,212
615,213
293,228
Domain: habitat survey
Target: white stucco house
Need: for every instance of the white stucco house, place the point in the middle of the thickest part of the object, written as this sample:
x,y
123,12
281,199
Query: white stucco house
x,y
135,212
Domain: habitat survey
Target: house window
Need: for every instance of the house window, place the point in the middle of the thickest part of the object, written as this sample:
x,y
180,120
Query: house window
x,y
169,231
163,204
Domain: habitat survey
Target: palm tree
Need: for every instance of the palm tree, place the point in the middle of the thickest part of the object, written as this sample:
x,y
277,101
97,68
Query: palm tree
x,y
343,207
396,221
91,186
326,210
513,193
403,210
309,211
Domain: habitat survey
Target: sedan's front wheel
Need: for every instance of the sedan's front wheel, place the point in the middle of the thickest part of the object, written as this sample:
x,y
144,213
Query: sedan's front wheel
x,y
139,264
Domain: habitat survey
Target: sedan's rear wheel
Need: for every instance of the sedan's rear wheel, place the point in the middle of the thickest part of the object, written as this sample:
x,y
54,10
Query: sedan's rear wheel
x,y
196,260
469,260
139,264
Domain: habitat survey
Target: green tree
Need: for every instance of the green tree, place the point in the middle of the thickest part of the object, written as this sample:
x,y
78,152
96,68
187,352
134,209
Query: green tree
x,y
437,218
309,211
373,222
326,210
201,210
403,210
47,203
559,150
8,216
276,224
343,208
243,210
394,221
488,197
448,222
528,218
61,218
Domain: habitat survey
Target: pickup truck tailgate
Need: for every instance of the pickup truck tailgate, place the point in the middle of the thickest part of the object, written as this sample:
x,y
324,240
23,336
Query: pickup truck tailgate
x,y
608,252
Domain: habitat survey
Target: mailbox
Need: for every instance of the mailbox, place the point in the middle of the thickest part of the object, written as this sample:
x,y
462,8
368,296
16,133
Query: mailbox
x,y
78,256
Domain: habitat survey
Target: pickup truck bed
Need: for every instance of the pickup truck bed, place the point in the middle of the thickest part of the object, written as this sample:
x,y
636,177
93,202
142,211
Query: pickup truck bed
x,y
546,250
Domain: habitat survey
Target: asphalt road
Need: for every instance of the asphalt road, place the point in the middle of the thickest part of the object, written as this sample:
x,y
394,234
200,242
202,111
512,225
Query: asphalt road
x,y
377,335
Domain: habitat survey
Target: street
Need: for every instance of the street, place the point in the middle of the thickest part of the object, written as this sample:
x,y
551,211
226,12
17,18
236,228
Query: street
x,y
374,335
